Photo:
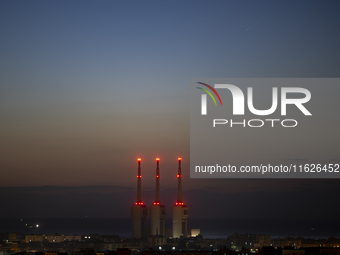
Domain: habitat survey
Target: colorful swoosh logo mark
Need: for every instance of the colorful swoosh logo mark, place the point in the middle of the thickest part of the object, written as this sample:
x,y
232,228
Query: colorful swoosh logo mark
x,y
208,92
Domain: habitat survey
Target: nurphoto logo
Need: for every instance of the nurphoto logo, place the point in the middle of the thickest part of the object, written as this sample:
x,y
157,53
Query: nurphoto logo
x,y
239,104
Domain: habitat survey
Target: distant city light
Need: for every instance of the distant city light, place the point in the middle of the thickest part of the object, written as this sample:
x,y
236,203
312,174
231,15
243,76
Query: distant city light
x,y
37,225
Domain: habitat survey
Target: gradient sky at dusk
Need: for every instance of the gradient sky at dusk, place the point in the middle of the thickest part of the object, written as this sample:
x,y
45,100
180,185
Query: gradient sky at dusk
x,y
86,87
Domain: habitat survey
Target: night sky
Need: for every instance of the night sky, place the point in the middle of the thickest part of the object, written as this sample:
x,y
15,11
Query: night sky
x,y
86,87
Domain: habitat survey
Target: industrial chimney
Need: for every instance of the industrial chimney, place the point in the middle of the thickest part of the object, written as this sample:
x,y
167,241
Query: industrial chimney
x,y
139,211
180,211
157,210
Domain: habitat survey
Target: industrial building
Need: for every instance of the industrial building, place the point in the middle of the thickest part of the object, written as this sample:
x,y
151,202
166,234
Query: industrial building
x,y
139,212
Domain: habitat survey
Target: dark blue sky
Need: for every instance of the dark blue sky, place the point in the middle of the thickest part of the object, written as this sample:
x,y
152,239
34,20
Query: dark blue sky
x,y
86,87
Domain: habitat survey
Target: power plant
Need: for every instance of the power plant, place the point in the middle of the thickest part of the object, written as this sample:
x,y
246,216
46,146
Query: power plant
x,y
157,211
